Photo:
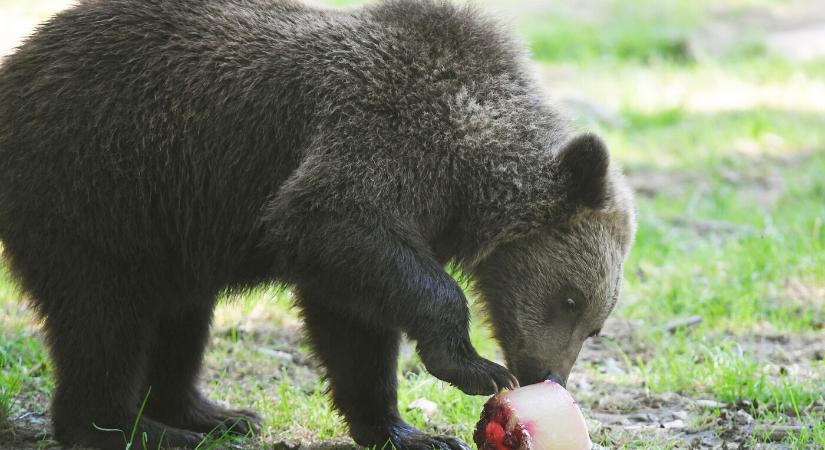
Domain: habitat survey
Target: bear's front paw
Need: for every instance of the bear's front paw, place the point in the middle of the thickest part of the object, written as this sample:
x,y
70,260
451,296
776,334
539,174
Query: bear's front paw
x,y
471,373
404,437
423,441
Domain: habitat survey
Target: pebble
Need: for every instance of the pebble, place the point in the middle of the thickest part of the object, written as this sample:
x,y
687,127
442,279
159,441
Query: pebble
x,y
742,418
674,424
427,407
710,404
277,354
640,417
611,366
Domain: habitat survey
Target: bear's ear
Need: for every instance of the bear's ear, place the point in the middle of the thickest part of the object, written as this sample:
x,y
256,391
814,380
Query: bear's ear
x,y
583,162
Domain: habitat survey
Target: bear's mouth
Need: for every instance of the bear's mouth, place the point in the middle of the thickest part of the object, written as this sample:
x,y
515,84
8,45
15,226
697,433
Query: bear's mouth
x,y
528,374
556,379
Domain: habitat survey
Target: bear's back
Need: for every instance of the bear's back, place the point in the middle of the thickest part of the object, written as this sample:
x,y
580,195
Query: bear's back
x,y
162,128
141,128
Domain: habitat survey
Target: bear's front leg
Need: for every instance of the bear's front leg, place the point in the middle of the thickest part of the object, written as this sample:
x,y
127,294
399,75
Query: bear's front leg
x,y
387,277
360,362
440,328
327,228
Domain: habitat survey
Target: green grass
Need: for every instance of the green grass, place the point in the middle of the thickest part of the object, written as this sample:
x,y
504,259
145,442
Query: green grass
x,y
689,364
770,233
641,31
647,30
24,366
728,152
9,389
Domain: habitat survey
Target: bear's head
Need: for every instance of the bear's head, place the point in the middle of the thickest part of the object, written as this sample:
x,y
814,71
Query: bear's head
x,y
549,289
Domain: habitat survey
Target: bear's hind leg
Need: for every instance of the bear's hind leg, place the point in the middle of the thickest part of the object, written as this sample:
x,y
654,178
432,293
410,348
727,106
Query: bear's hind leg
x,y
98,341
174,363
360,362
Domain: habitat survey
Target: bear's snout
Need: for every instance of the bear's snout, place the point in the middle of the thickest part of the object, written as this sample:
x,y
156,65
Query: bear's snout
x,y
556,379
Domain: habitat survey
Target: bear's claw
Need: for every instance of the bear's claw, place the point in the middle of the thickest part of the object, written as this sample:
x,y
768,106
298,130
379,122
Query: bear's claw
x,y
405,437
462,367
483,377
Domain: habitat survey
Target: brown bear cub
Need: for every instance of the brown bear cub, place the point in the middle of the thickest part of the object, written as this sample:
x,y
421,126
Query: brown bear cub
x,y
156,153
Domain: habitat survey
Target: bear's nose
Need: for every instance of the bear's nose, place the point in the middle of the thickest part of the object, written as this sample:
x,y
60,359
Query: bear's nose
x,y
556,379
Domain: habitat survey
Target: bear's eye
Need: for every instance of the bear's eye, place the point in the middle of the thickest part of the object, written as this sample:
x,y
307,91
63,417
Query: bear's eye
x,y
567,300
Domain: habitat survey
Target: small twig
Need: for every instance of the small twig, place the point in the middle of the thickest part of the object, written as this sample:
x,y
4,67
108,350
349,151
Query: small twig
x,y
25,415
689,322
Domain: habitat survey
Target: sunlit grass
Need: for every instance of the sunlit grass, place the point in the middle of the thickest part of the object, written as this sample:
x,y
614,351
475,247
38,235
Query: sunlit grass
x,y
641,31
695,364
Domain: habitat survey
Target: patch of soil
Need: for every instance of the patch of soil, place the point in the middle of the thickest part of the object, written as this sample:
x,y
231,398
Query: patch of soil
x,y
28,431
623,412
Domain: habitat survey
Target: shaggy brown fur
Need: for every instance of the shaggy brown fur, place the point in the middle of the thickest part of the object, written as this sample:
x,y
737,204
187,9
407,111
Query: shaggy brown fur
x,y
156,152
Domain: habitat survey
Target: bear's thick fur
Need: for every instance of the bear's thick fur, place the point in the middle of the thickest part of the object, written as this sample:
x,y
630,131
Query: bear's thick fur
x,y
155,153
